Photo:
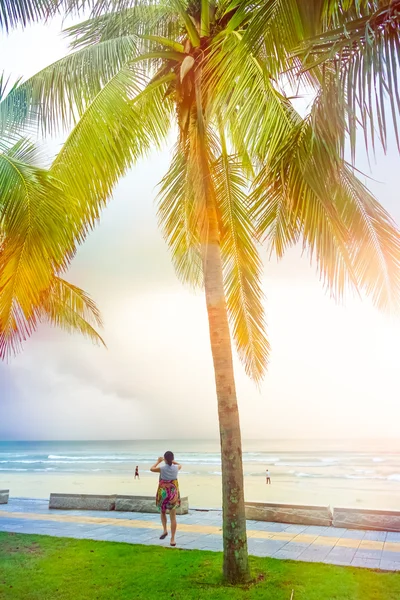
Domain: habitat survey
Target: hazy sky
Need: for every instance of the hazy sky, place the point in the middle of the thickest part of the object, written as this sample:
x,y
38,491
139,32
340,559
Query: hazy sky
x,y
334,371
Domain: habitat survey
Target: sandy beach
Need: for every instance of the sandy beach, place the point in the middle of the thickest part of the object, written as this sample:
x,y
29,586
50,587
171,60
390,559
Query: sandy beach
x,y
205,491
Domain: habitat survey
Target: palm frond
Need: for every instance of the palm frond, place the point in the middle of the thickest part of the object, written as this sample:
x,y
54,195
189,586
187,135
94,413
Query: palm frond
x,y
22,12
342,227
178,217
374,242
35,240
15,120
141,20
335,13
275,26
59,94
240,86
123,123
241,264
70,308
362,58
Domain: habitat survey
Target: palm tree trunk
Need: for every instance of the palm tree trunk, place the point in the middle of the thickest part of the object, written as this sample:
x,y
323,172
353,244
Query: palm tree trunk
x,y
236,567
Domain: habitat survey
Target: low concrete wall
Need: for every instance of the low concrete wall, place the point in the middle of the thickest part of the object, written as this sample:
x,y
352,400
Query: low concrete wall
x,y
297,514
146,504
363,518
82,502
143,504
4,495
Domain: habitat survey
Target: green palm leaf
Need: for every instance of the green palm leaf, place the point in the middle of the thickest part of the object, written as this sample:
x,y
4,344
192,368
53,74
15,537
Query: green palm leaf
x,y
128,121
178,217
359,61
351,237
70,308
35,240
16,12
58,95
143,19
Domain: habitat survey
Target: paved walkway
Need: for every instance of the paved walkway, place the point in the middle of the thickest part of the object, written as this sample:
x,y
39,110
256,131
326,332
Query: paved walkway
x,y
202,530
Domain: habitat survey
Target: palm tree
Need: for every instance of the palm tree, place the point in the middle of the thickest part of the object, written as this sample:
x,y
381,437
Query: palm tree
x,y
246,168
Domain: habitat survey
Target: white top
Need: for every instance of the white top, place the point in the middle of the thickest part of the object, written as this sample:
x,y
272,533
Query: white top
x,y
169,472
267,473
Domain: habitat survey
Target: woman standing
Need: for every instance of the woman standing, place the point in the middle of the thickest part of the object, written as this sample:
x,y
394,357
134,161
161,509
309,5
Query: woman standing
x,y
168,497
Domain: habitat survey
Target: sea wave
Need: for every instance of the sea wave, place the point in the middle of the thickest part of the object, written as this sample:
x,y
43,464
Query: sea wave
x,y
22,462
7,469
60,462
306,464
102,458
365,477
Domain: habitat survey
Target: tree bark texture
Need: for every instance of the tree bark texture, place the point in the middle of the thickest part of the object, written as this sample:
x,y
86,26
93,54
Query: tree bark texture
x,y
236,567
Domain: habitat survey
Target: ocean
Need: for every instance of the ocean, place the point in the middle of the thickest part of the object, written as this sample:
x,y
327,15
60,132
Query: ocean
x,y
356,472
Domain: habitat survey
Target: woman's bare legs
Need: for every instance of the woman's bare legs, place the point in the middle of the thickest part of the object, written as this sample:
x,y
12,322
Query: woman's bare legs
x,y
172,516
164,522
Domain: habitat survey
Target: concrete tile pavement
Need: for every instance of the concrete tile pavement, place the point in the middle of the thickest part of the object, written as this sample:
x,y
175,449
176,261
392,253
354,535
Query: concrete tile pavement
x,y
203,530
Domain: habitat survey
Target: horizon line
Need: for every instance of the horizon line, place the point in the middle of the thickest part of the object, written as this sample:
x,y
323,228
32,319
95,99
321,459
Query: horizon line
x,y
202,439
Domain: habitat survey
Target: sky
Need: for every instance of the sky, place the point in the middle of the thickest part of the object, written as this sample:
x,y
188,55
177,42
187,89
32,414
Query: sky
x,y
334,369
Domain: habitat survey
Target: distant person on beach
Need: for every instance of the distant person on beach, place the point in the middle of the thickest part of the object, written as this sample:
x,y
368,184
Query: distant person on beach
x,y
168,496
137,472
268,477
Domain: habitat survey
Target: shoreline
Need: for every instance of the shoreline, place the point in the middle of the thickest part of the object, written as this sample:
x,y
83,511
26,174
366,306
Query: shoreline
x,y
205,491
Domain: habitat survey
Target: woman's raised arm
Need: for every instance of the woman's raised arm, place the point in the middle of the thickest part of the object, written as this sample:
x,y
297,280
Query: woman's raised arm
x,y
155,468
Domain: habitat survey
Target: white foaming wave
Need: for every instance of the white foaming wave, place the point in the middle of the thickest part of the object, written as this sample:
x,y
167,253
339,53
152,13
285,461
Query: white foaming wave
x,y
66,459
42,470
364,471
394,477
12,454
300,474
87,462
364,477
377,459
303,464
58,462
258,457
7,469
23,462
104,458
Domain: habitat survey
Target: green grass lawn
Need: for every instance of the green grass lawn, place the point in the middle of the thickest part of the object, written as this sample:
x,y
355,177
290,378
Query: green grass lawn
x,y
34,567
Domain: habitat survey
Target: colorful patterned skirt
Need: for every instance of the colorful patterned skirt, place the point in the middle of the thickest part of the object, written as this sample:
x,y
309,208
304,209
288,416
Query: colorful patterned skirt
x,y
168,496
